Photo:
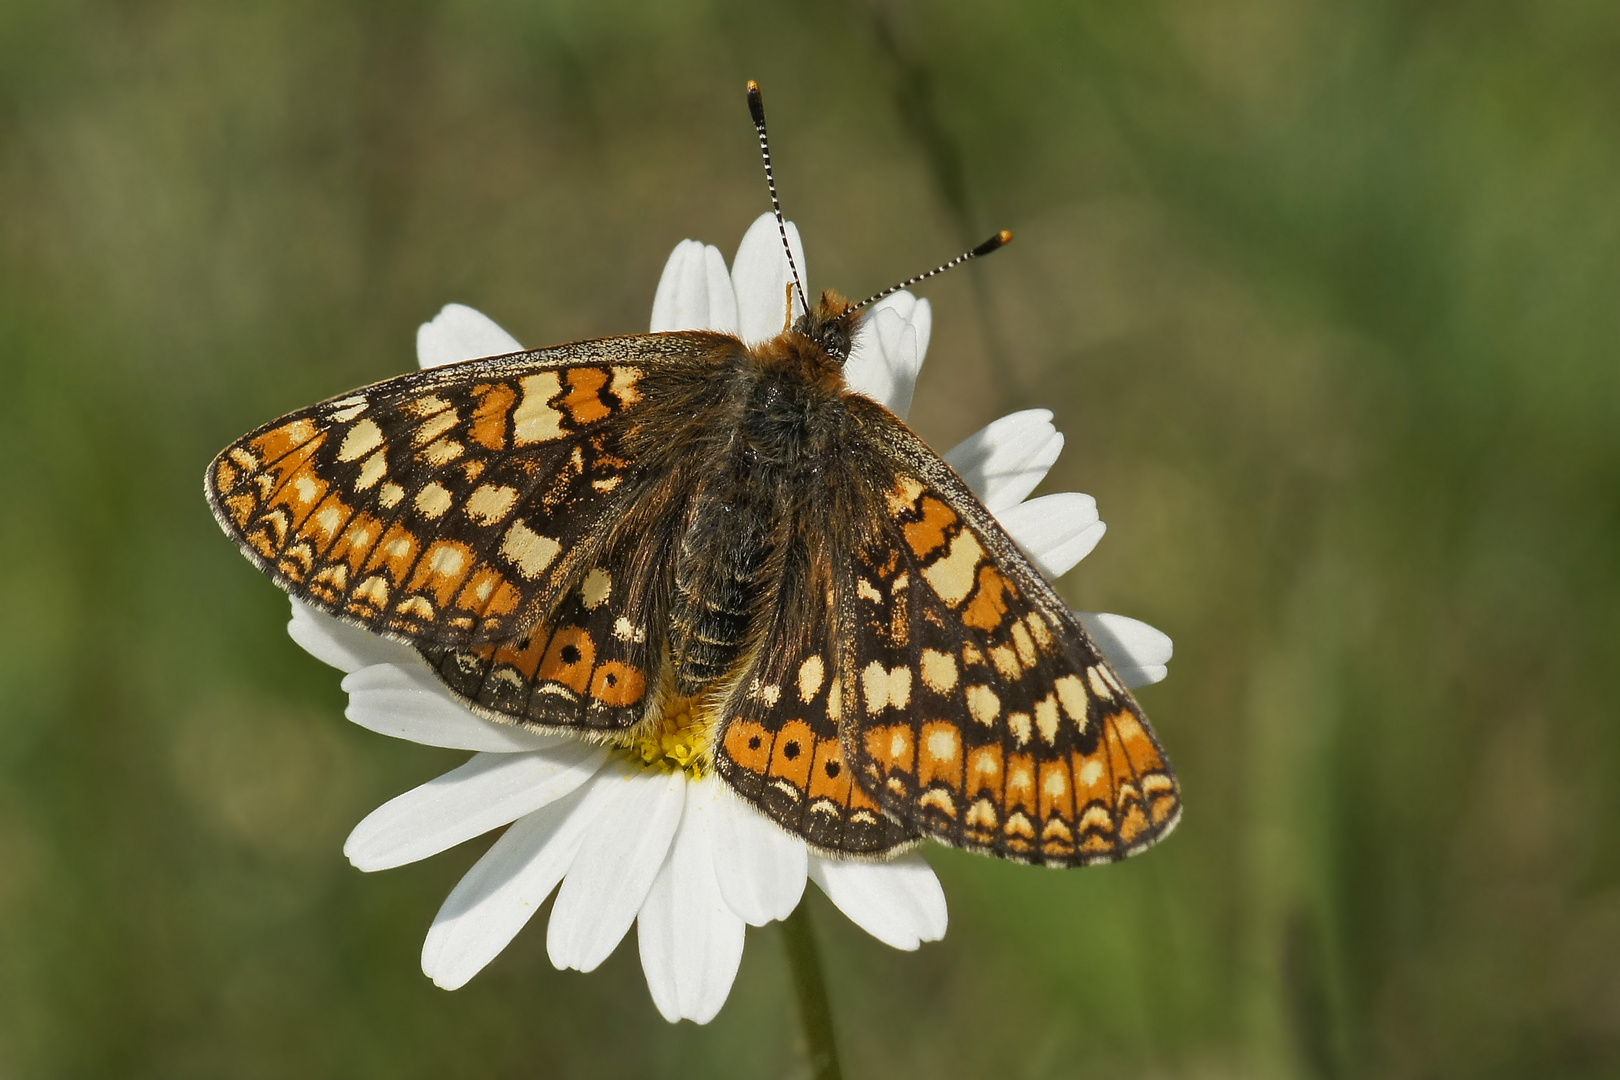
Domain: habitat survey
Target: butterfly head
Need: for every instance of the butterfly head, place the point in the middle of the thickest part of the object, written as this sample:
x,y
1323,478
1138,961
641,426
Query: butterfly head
x,y
831,326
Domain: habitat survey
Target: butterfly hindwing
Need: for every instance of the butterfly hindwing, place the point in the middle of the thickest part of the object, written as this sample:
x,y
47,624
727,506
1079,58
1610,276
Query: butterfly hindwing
x,y
595,662
981,711
445,506
779,743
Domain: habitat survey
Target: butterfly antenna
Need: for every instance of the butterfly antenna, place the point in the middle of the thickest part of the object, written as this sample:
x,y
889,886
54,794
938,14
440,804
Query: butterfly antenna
x,y
1001,239
756,109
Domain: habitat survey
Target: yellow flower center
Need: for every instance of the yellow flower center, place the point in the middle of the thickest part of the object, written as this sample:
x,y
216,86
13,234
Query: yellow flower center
x,y
678,738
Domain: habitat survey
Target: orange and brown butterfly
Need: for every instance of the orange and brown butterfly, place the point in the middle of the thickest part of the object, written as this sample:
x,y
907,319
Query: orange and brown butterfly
x,y
598,536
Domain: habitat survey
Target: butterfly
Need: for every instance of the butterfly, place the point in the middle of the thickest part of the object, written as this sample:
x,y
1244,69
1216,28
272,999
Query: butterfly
x,y
591,537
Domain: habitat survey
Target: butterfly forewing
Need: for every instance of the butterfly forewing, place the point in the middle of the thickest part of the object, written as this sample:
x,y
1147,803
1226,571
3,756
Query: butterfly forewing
x,y
980,710
448,506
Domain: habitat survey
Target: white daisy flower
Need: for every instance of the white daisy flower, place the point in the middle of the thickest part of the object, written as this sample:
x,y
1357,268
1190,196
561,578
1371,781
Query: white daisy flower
x,y
670,850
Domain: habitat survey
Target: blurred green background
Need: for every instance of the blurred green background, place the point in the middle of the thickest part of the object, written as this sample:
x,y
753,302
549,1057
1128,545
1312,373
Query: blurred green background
x,y
1324,296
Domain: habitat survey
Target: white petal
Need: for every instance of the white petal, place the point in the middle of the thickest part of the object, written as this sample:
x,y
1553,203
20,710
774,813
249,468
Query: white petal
x,y
487,792
695,291
1140,653
1003,461
760,276
690,941
888,351
503,889
343,645
1055,531
899,902
459,333
408,703
616,865
656,934
760,868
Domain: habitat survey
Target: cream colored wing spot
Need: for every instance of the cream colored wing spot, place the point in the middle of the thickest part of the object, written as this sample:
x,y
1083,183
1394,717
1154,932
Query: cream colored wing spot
x,y
441,422
1046,718
390,495
982,815
327,519
1006,662
426,406
1039,630
939,671
596,588
446,559
953,575
442,452
1024,644
1074,699
416,605
885,688
1099,683
811,673
373,469
983,704
624,383
534,420
1021,781
942,743
361,440
373,590
1018,724
490,503
1055,784
347,409
903,497
835,699
527,550
433,500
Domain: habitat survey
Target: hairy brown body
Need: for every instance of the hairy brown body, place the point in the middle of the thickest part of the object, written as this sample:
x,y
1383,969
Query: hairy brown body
x,y
757,457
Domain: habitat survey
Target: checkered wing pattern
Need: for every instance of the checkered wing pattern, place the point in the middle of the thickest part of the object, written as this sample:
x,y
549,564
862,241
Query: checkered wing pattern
x,y
596,659
450,507
976,707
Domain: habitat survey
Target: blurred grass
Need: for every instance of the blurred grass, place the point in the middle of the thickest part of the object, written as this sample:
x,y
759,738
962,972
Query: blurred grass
x,y
1323,296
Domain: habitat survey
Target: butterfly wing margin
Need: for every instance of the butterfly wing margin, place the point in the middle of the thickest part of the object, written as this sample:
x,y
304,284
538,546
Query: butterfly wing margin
x,y
983,713
445,506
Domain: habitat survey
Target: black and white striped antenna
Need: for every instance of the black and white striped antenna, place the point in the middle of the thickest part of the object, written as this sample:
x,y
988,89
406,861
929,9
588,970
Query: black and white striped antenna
x,y
756,109
1000,239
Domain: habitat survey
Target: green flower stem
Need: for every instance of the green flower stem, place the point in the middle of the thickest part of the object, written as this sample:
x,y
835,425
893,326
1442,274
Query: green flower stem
x,y
811,985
